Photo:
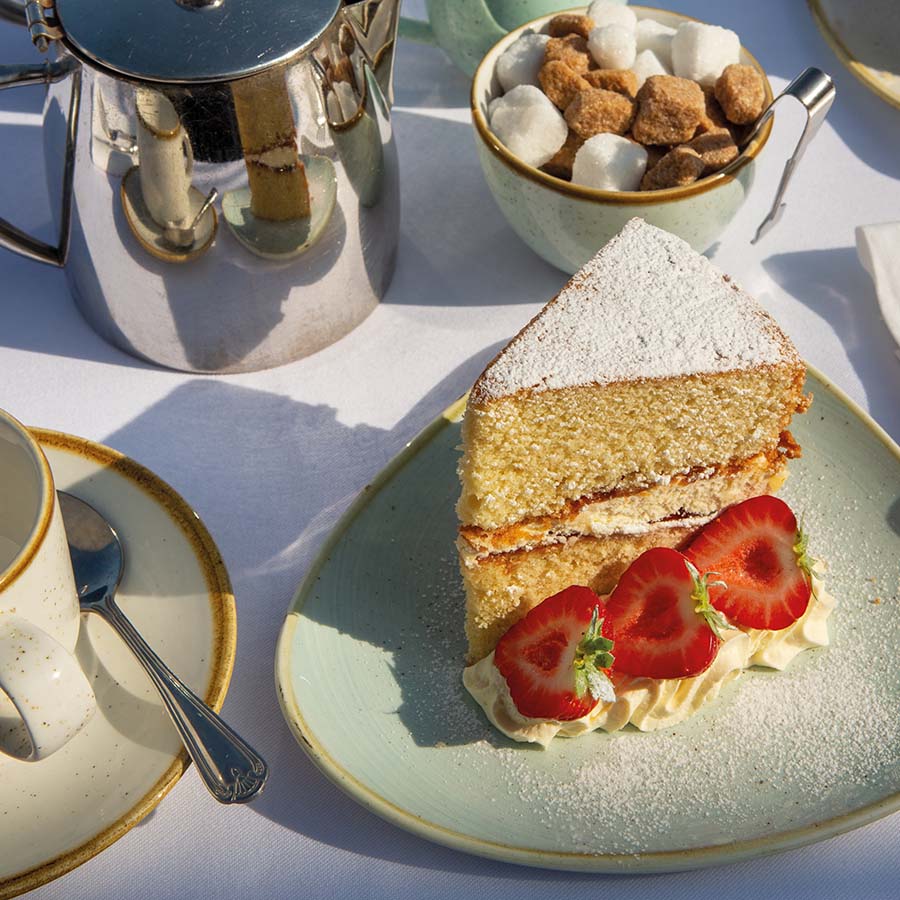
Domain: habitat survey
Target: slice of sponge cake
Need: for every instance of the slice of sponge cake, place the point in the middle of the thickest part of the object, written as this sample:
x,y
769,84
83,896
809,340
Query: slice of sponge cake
x,y
647,395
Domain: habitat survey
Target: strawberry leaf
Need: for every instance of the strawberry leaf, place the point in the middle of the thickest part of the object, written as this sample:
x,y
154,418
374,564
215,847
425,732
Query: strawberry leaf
x,y
801,551
592,656
700,595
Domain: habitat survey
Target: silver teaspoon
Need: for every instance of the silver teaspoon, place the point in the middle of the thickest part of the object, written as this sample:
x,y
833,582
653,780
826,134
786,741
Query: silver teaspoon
x,y
229,767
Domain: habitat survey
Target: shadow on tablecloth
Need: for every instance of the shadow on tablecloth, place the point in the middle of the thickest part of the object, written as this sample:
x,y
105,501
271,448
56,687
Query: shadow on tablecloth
x,y
270,476
833,284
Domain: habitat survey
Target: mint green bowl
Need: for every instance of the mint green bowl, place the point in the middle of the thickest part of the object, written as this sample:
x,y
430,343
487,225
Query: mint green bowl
x,y
567,224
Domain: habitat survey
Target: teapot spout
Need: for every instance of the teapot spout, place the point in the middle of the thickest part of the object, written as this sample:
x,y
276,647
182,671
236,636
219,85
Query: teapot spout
x,y
371,26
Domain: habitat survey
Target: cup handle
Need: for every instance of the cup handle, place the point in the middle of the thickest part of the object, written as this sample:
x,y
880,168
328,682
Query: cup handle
x,y
188,155
46,685
416,30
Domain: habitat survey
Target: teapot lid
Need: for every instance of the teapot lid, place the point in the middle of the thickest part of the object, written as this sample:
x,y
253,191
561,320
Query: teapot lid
x,y
191,40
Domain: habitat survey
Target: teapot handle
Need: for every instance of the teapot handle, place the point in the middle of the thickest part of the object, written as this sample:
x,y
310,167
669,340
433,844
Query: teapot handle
x,y
45,73
13,11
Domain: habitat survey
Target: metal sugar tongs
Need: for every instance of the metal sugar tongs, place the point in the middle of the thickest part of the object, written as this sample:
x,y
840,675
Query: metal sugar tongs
x,y
815,90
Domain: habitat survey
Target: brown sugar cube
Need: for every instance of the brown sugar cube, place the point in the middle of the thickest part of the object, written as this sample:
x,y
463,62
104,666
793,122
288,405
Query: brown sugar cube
x,y
713,116
669,110
622,81
570,23
561,164
654,154
742,93
677,168
595,111
560,83
572,50
716,149
740,133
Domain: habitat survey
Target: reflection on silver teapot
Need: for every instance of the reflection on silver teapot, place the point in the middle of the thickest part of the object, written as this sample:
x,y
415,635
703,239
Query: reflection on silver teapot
x,y
230,198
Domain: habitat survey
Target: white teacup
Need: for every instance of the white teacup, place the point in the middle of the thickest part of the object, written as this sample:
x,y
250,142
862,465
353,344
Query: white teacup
x,y
45,698
166,160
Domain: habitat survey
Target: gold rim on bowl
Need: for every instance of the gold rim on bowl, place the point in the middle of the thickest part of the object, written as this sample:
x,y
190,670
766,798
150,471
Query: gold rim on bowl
x,y
579,192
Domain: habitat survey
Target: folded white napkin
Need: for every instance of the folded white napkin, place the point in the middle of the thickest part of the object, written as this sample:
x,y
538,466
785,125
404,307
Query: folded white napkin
x,y
878,247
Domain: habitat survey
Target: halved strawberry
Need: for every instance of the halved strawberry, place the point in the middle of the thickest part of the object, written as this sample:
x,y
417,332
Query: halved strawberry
x,y
553,660
756,548
661,619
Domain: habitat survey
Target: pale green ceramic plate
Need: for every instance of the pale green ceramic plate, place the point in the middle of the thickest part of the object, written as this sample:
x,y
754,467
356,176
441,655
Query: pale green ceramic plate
x,y
369,661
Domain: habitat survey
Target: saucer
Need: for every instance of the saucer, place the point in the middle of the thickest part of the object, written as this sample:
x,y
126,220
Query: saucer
x,y
103,782
152,236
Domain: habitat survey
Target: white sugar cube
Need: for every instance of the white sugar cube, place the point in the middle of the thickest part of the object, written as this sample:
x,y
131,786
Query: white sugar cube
x,y
529,124
613,47
647,63
521,61
652,35
605,12
701,52
610,163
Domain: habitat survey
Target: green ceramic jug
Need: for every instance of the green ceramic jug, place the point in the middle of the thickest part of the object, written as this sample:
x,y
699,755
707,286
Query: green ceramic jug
x,y
466,29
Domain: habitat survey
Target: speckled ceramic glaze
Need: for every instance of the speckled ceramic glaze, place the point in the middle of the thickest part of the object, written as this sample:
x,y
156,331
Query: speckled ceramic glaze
x,y
567,224
45,698
128,756
370,658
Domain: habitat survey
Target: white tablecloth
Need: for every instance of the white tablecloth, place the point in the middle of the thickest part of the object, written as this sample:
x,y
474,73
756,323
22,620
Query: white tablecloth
x,y
269,460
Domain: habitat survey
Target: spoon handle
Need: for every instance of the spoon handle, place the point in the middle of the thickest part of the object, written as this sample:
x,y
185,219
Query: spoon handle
x,y
230,768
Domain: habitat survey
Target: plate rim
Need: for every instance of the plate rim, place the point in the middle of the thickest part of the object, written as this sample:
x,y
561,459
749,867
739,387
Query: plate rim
x,y
859,70
599,863
224,616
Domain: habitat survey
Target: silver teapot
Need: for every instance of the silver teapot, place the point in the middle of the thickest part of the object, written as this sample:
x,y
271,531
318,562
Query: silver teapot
x,y
227,173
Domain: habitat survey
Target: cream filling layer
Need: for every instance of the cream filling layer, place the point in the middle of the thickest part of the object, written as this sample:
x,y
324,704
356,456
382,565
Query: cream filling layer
x,y
279,158
674,504
650,703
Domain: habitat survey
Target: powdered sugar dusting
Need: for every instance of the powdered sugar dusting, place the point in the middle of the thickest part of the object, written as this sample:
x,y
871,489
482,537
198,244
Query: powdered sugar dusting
x,y
646,306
